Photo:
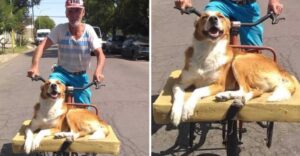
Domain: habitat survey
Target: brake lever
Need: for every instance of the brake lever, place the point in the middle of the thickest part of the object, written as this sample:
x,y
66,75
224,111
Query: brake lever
x,y
189,10
98,85
37,78
275,19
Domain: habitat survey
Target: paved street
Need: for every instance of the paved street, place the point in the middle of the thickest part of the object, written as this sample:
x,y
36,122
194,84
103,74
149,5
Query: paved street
x,y
171,35
123,102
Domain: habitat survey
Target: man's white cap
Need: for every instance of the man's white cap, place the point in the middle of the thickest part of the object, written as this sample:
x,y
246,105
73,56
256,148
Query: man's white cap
x,y
74,4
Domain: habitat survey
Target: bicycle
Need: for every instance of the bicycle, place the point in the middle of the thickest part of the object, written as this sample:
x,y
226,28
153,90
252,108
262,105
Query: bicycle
x,y
232,125
58,147
229,134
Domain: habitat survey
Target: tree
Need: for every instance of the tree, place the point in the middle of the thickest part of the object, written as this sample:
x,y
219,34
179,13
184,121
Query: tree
x,y
14,13
44,22
100,13
131,16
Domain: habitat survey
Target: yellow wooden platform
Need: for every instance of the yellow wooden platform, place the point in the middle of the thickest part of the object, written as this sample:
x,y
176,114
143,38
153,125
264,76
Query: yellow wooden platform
x,y
109,145
207,109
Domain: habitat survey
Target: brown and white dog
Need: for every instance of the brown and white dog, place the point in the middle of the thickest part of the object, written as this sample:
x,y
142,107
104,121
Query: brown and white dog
x,y
214,68
53,117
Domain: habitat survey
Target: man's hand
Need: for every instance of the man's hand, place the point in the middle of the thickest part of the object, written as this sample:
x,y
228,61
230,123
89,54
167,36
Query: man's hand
x,y
183,4
34,71
275,6
98,77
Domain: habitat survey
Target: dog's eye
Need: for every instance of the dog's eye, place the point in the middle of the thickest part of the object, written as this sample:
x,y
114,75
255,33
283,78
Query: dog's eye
x,y
204,17
221,17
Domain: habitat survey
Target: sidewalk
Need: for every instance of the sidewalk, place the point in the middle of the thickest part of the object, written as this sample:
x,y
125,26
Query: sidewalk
x,y
8,56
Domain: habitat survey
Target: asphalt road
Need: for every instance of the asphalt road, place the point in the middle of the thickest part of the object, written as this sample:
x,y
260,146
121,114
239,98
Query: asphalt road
x,y
171,35
123,102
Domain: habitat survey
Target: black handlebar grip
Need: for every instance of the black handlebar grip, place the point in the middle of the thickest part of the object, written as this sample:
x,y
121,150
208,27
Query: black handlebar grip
x,y
37,78
97,84
189,10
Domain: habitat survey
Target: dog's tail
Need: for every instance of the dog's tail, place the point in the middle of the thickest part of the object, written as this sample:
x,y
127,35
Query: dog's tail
x,y
98,134
289,81
28,141
101,132
285,89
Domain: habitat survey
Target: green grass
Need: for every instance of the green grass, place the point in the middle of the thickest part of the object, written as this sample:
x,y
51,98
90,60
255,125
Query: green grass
x,y
16,50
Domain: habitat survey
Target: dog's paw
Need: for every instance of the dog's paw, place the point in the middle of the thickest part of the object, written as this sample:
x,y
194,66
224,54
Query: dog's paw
x,y
36,143
221,97
68,135
59,135
176,116
239,102
27,147
187,112
70,138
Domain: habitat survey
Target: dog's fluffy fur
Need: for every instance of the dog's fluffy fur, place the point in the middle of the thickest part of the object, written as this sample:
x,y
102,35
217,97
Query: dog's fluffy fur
x,y
213,67
53,117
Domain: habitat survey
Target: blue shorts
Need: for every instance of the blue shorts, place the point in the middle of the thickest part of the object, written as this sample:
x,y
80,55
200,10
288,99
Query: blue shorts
x,y
244,13
69,79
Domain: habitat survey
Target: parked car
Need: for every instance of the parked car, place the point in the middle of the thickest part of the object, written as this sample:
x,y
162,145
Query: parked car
x,y
41,34
134,48
99,35
98,31
107,45
114,45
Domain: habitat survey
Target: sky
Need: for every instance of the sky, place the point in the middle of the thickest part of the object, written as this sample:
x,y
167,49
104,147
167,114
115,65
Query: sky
x,y
55,9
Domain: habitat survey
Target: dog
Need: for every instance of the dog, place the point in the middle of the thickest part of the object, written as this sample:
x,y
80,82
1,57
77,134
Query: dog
x,y
215,68
52,116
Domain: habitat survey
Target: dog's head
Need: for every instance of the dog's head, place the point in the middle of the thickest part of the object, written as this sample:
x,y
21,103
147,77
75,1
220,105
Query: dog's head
x,y
53,89
212,26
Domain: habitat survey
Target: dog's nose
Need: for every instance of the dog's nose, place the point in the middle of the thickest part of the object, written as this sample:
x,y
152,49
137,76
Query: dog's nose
x,y
53,86
213,20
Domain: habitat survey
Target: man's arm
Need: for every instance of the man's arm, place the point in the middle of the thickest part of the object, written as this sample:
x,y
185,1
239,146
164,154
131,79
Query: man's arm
x,y
34,70
98,75
276,6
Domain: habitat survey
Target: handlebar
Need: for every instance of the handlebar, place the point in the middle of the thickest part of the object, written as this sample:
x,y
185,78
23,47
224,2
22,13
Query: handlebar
x,y
96,83
37,78
71,88
189,10
275,19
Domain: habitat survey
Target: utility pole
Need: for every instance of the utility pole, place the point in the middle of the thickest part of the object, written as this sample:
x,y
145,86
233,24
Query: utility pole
x,y
12,30
32,19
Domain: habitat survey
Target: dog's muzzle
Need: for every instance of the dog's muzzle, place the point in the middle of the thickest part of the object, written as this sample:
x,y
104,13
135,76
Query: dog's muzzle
x,y
214,30
53,91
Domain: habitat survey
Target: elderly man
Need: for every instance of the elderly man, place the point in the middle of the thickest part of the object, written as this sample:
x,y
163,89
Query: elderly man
x,y
75,42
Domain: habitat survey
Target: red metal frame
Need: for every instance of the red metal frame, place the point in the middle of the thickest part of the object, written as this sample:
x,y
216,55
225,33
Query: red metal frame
x,y
234,43
71,104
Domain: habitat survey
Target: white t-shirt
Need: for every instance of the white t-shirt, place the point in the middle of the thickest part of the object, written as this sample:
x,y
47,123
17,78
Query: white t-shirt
x,y
74,55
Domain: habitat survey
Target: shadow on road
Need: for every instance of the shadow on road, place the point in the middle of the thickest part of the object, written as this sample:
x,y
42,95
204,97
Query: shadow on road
x,y
155,127
49,53
6,150
119,56
182,143
53,53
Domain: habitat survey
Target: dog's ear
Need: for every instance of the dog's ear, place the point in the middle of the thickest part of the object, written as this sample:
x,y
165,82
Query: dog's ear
x,y
44,85
44,89
196,22
228,25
